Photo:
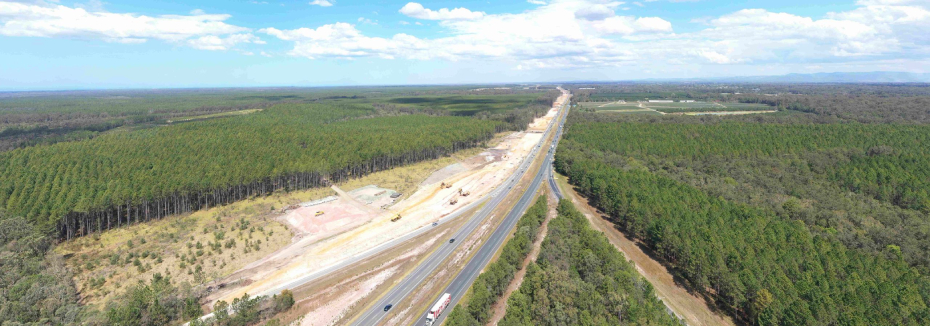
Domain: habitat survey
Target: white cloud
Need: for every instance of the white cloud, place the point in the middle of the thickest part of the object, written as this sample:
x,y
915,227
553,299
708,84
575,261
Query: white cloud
x,y
216,43
536,2
37,20
554,34
322,3
416,10
595,12
364,20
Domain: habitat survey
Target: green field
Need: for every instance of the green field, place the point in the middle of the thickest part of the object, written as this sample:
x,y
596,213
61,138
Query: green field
x,y
678,107
212,116
470,104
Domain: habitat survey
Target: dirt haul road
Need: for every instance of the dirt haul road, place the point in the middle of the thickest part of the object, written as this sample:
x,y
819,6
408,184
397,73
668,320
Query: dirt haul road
x,y
311,254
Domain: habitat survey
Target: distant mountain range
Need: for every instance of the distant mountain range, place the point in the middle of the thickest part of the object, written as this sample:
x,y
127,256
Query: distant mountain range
x,y
831,77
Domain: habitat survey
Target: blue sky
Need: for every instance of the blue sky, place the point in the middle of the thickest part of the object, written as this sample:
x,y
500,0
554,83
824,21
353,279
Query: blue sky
x,y
141,44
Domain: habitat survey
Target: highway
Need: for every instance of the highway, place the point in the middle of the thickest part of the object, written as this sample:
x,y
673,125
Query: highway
x,y
473,267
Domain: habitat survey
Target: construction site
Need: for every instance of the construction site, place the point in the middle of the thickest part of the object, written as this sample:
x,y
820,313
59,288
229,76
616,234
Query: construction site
x,y
331,230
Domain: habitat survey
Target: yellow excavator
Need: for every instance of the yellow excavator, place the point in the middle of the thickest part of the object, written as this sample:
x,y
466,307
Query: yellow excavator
x,y
464,193
453,201
445,185
318,213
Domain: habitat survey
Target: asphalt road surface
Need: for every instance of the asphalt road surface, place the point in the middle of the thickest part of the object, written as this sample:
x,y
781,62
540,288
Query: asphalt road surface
x,y
467,276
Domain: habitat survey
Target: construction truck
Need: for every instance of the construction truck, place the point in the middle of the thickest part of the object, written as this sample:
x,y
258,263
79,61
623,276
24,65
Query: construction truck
x,y
395,218
318,213
464,192
438,308
453,201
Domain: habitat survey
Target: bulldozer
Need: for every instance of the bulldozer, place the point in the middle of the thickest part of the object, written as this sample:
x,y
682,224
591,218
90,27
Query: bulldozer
x,y
395,218
445,185
453,201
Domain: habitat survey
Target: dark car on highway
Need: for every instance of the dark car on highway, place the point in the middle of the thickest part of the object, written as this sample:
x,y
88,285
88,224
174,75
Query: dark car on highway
x,y
388,307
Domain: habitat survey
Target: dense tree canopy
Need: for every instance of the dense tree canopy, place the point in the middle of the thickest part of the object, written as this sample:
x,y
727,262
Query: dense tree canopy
x,y
765,268
886,166
579,278
123,177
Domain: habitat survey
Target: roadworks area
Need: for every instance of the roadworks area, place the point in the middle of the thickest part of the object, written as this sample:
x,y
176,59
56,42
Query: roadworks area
x,y
333,229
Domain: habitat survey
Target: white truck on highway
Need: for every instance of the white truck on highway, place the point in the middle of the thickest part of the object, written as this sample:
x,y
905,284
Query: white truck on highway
x,y
437,308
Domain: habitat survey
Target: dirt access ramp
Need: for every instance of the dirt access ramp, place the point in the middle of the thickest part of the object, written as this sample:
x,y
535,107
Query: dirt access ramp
x,y
317,220
482,174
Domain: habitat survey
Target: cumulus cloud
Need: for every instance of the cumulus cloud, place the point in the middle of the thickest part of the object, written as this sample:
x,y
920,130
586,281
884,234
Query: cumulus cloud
x,y
554,34
416,10
216,43
590,33
321,3
548,36
38,20
595,12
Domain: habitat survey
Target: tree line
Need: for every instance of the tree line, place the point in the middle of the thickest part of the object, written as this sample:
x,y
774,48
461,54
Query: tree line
x,y
579,278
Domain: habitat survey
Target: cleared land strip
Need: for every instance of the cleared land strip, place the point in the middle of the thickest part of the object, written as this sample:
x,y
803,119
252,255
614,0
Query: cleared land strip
x,y
499,309
693,309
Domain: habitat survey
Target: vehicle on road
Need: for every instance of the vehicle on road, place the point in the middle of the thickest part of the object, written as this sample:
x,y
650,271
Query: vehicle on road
x,y
452,240
437,308
388,307
435,223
